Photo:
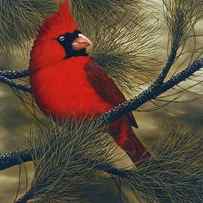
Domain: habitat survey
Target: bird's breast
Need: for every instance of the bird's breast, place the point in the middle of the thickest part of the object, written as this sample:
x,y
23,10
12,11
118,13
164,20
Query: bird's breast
x,y
66,92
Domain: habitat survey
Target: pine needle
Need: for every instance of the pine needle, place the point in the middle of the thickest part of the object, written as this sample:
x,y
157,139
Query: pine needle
x,y
20,20
65,170
175,175
129,54
65,166
104,12
181,17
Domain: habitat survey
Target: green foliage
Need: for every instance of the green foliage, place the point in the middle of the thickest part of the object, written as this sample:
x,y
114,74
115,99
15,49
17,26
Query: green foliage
x,y
124,35
180,143
20,19
104,12
181,17
175,175
64,166
127,53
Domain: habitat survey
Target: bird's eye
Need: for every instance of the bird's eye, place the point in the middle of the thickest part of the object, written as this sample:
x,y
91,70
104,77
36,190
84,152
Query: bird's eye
x,y
77,32
61,38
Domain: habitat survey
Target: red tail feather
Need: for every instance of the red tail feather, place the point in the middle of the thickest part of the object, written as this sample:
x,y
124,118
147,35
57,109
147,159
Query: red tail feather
x,y
135,149
76,86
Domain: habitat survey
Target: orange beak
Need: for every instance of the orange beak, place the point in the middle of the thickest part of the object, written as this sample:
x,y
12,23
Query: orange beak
x,y
82,42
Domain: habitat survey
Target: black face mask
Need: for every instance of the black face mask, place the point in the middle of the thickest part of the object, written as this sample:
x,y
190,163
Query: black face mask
x,y
66,41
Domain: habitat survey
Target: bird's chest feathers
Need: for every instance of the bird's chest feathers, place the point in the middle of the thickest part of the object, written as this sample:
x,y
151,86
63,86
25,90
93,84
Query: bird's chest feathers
x,y
65,90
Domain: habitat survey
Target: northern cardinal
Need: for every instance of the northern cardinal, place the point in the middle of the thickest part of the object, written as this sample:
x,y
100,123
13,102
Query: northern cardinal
x,y
67,83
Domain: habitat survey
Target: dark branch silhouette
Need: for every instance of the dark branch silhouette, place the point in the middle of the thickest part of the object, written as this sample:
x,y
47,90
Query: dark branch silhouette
x,y
8,76
14,74
14,158
152,92
15,85
10,159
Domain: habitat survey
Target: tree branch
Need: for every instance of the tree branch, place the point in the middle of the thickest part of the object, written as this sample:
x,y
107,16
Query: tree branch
x,y
12,84
14,74
169,63
11,159
7,77
176,25
151,92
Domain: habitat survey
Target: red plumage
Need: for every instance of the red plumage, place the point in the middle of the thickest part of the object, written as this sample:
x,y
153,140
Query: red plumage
x,y
76,86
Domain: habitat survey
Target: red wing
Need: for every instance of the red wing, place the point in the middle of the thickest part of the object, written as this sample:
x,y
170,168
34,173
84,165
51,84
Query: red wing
x,y
106,87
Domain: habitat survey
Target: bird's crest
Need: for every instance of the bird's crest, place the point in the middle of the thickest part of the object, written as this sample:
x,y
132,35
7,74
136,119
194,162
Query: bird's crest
x,y
59,23
46,50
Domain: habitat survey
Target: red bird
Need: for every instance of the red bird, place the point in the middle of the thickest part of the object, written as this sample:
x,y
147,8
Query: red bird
x,y
67,83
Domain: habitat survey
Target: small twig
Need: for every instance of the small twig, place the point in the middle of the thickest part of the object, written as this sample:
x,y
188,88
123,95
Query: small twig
x,y
26,197
12,84
14,74
11,159
169,63
7,77
165,70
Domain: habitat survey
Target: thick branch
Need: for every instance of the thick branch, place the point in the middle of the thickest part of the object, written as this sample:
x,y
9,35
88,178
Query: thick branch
x,y
11,159
151,93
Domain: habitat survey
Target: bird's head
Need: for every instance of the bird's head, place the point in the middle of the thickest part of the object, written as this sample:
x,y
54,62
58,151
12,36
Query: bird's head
x,y
59,39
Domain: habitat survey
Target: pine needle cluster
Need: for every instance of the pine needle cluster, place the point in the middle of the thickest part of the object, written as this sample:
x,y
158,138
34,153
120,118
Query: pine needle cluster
x,y
66,155
181,18
104,12
124,34
125,53
20,20
71,156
